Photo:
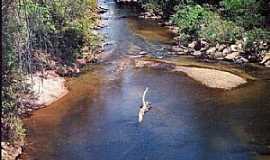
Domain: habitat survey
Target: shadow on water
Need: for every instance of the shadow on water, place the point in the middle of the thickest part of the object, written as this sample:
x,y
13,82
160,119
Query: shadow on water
x,y
98,118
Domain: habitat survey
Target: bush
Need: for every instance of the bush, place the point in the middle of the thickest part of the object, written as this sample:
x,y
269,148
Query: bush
x,y
189,18
246,13
152,7
201,22
70,43
12,129
215,29
253,39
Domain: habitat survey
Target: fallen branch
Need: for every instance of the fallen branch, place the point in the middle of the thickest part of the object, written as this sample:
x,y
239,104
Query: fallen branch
x,y
145,106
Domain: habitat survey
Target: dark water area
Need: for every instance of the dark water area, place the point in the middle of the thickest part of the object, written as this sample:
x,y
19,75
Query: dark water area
x,y
98,119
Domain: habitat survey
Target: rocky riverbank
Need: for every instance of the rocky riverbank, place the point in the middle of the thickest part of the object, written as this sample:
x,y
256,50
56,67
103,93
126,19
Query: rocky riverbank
x,y
236,53
224,52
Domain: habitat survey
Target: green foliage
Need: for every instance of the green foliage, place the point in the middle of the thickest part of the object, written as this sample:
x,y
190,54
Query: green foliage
x,y
215,29
60,27
254,37
200,22
12,129
70,43
245,13
166,7
152,7
189,18
236,5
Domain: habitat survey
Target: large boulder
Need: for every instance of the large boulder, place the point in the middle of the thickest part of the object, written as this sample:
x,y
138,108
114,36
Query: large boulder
x,y
195,45
227,50
232,56
236,47
220,47
267,64
218,55
266,58
196,53
211,50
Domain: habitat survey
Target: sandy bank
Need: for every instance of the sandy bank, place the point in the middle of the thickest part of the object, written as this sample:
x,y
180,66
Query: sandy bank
x,y
209,77
47,90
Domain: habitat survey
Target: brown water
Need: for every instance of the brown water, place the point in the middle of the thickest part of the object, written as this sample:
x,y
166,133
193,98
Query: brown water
x,y
98,118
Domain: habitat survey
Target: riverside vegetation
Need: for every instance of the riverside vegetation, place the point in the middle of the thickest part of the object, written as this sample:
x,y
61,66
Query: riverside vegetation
x,y
232,30
39,36
45,38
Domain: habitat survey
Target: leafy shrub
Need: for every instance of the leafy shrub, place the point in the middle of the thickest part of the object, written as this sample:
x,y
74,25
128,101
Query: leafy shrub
x,y
71,41
152,7
253,39
234,5
215,29
12,129
189,18
201,22
246,13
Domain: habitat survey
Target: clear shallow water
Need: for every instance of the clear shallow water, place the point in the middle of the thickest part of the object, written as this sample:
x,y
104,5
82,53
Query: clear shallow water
x,y
98,118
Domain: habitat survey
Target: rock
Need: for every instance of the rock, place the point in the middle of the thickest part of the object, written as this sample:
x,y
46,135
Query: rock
x,y
220,47
226,51
62,71
141,16
186,51
174,29
211,50
177,49
204,43
265,58
102,10
10,152
267,64
81,61
203,49
142,53
196,53
237,47
232,56
180,53
177,38
168,23
240,60
218,55
195,45
253,58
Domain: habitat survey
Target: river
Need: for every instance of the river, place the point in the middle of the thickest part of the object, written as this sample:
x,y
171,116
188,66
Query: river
x,y
97,119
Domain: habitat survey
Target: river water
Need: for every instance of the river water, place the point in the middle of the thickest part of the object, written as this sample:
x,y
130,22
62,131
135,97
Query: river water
x,y
97,119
